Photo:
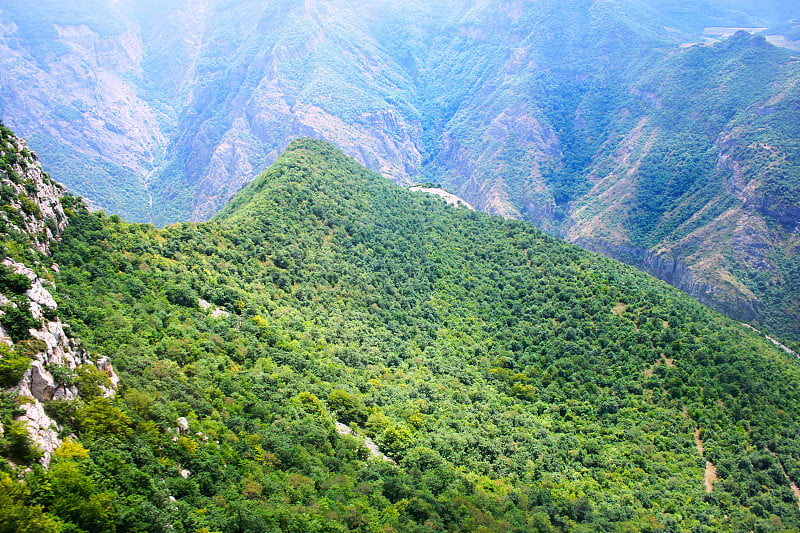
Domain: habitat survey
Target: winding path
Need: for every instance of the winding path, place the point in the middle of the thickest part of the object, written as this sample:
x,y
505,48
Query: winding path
x,y
792,484
344,429
773,341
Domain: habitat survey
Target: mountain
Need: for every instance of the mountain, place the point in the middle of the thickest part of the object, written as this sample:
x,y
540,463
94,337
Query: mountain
x,y
515,382
702,190
573,116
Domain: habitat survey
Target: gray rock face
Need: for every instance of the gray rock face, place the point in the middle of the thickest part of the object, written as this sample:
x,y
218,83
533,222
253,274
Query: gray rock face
x,y
39,296
44,218
678,275
374,451
105,365
37,213
38,383
42,384
42,430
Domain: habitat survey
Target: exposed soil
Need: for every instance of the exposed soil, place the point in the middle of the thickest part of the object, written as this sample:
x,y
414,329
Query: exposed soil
x,y
448,197
343,429
650,371
698,441
792,484
710,476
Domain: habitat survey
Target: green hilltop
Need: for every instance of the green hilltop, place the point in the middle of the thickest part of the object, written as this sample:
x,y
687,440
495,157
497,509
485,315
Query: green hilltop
x,y
517,382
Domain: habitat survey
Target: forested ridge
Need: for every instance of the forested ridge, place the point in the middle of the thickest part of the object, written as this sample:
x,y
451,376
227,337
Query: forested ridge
x,y
518,382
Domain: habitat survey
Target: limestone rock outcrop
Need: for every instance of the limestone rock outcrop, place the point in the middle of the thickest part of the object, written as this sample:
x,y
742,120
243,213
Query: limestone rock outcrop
x,y
33,211
59,350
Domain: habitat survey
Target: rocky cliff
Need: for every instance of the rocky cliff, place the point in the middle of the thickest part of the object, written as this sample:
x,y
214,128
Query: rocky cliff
x,y
32,218
733,302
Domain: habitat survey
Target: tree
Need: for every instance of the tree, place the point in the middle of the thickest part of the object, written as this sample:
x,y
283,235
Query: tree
x,y
12,366
18,514
100,417
74,498
348,408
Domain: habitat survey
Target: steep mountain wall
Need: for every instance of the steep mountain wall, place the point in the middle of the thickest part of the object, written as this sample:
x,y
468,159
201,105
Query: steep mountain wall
x,y
741,305
502,371
611,125
47,357
703,191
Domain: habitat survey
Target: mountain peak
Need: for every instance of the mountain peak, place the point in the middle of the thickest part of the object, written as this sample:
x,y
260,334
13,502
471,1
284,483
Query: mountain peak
x,y
306,163
482,356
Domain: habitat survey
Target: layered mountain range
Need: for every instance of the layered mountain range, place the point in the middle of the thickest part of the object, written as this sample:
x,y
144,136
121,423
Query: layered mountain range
x,y
663,135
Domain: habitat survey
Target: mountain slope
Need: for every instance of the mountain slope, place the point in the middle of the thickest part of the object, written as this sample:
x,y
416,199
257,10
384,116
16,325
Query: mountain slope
x,y
519,382
40,361
197,94
700,192
570,115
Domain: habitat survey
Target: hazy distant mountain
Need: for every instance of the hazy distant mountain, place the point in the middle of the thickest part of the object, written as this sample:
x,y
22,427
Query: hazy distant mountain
x,y
593,120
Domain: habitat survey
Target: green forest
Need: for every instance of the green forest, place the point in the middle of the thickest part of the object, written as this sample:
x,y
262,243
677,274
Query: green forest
x,y
518,383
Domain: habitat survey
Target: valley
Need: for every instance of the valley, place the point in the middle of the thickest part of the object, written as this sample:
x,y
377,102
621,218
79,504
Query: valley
x,y
365,266
619,135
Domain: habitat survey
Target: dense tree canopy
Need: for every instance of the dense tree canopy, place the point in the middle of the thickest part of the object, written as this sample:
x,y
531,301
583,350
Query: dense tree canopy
x,y
518,383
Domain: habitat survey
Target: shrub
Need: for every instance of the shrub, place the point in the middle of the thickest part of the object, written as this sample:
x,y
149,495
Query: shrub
x,y
71,449
101,417
181,294
61,411
17,445
348,408
30,347
11,282
90,381
29,206
17,321
62,375
19,514
12,366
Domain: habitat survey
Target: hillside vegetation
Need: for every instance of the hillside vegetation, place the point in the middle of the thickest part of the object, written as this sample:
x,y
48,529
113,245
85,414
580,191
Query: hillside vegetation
x,y
702,192
518,382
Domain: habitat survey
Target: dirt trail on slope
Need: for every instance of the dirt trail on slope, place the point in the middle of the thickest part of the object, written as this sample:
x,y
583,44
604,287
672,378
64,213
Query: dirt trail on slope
x,y
792,484
772,340
711,471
